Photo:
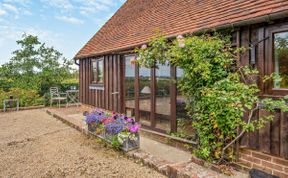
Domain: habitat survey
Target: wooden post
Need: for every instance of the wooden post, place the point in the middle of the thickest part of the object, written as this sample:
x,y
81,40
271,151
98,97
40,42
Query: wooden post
x,y
153,98
173,99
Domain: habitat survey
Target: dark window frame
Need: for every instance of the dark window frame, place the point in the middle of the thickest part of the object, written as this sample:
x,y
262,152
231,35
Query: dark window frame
x,y
271,63
95,79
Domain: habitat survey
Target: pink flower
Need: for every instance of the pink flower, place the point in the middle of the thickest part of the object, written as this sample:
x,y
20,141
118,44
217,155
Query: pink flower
x,y
108,120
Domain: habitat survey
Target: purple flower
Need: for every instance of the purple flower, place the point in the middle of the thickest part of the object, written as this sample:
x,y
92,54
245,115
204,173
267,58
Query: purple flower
x,y
130,120
114,128
133,128
94,117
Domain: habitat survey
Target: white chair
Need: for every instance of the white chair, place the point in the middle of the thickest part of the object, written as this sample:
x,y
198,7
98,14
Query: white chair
x,y
55,95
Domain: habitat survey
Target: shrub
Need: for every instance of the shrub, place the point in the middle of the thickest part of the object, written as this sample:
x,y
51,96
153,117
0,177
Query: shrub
x,y
218,91
26,97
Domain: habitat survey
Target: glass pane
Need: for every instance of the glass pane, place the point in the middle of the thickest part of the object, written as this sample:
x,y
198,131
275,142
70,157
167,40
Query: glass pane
x,y
94,71
162,93
184,123
145,95
129,87
100,71
281,60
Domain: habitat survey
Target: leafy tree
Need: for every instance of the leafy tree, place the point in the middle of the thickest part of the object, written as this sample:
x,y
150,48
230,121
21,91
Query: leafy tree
x,y
35,66
219,92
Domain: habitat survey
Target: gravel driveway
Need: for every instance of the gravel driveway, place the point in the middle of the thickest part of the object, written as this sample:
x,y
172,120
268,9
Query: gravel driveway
x,y
34,144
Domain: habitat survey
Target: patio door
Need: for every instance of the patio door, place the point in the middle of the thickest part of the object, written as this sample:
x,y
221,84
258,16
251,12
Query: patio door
x,y
150,95
129,86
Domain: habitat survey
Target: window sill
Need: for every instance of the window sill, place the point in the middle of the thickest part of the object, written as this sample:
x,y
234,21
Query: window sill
x,y
280,89
96,86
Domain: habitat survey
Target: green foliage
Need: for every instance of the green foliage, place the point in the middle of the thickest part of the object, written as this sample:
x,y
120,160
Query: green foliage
x,y
35,66
115,142
218,91
148,58
26,97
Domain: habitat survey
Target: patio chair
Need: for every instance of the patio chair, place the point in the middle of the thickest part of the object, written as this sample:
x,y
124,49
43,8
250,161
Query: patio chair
x,y
55,95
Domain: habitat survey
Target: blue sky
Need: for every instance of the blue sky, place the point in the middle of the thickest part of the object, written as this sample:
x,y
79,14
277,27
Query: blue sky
x,y
65,24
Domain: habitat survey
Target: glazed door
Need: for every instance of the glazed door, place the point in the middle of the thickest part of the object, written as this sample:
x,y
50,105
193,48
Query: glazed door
x,y
129,91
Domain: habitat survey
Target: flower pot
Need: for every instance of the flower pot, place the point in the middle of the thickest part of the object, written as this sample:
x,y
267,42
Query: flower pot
x,y
131,143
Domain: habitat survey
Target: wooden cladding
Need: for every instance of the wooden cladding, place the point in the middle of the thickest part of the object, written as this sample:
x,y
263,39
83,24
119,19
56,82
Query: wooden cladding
x,y
107,95
273,138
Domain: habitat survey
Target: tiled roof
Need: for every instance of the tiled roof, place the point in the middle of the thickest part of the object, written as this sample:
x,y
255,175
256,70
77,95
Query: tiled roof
x,y
136,21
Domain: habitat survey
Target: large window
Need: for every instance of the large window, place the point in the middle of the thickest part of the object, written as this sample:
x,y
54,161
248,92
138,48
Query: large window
x,y
281,59
97,71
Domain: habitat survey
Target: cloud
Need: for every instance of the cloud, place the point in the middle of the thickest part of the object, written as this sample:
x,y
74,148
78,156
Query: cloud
x,y
92,6
10,7
10,33
20,2
60,4
71,20
14,10
2,12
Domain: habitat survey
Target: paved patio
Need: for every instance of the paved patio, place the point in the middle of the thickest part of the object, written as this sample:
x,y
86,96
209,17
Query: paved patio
x,y
148,147
163,151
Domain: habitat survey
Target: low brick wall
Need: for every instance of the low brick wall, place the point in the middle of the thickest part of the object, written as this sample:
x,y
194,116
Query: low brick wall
x,y
249,159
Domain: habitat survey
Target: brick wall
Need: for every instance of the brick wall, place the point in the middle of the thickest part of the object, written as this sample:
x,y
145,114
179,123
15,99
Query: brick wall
x,y
270,164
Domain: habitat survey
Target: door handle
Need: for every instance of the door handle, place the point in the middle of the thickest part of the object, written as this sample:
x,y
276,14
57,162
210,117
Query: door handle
x,y
115,93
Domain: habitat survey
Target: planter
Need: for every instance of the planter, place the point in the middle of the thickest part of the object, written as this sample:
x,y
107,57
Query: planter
x,y
116,129
131,144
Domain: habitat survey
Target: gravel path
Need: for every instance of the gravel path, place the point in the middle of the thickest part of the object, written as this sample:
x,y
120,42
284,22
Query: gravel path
x,y
34,144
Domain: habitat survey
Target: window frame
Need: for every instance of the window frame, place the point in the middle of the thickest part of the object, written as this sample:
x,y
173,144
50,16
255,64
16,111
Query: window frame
x,y
271,63
95,76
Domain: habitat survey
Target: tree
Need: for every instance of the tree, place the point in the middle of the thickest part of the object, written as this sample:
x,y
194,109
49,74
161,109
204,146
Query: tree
x,y
35,66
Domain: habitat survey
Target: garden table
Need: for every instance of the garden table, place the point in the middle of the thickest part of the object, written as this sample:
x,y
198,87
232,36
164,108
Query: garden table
x,y
72,97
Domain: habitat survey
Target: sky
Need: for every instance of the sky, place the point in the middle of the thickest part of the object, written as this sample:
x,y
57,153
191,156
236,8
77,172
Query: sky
x,y
64,24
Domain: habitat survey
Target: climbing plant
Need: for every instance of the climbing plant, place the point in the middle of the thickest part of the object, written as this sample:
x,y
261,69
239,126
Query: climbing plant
x,y
221,95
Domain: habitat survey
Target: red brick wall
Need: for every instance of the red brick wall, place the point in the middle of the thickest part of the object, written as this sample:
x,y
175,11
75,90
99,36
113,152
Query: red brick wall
x,y
270,164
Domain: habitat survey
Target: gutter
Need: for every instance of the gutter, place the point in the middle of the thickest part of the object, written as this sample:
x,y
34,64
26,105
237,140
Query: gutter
x,y
266,18
75,62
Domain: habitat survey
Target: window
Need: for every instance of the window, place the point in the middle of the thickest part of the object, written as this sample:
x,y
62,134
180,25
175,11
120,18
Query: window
x,y
280,55
97,71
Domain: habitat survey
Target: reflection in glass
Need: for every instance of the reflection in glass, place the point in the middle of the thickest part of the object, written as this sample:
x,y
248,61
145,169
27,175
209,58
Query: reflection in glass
x,y
97,71
281,60
129,87
162,93
144,95
184,122
100,71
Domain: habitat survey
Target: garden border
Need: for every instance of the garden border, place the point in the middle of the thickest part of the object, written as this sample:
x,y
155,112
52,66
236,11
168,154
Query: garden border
x,y
23,108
